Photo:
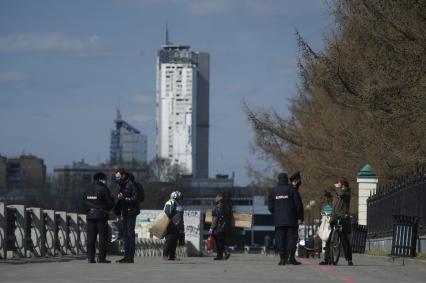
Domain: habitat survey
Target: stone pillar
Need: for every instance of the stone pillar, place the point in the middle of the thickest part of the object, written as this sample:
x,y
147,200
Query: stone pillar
x,y
367,185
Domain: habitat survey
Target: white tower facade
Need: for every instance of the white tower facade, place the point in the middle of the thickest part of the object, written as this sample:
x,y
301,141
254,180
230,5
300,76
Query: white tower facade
x,y
182,98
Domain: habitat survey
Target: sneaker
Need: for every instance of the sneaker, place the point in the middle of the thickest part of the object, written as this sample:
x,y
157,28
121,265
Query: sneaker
x,y
324,262
91,261
218,258
350,263
227,255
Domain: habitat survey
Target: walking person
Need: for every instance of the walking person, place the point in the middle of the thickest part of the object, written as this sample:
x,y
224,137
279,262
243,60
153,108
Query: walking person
x,y
340,204
129,197
98,202
175,230
295,182
285,206
221,227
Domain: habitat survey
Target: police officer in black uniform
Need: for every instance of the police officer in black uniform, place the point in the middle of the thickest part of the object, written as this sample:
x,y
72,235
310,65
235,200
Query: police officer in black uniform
x,y
286,208
128,206
98,201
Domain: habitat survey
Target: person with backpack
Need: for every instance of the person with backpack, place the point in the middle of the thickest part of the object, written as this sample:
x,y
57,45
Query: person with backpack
x,y
130,195
175,230
221,227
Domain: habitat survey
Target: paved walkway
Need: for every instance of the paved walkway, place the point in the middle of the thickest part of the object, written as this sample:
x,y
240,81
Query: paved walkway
x,y
238,269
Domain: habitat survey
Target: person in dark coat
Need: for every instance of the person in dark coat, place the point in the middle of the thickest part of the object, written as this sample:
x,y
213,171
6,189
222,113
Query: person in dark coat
x,y
221,227
176,230
128,207
286,208
295,182
98,202
341,203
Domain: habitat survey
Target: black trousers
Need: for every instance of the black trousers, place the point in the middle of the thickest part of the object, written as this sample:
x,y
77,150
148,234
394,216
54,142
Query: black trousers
x,y
169,249
95,228
347,249
285,238
220,243
129,222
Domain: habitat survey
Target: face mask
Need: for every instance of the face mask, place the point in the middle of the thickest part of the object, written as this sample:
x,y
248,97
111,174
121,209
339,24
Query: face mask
x,y
102,181
117,180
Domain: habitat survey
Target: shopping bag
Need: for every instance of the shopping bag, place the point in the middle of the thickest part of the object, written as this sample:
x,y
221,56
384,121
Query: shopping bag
x,y
325,228
159,227
210,243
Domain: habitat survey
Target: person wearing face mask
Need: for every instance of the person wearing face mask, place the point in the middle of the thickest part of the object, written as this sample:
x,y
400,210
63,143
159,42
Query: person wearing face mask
x,y
98,202
128,207
341,202
295,182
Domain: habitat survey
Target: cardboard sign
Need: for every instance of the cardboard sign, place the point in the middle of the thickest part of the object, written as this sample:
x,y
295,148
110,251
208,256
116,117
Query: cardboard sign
x,y
240,220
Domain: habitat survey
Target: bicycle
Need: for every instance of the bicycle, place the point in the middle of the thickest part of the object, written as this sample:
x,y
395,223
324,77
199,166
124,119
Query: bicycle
x,y
336,242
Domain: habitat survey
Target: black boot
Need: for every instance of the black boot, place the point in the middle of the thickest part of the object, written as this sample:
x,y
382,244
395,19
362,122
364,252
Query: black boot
x,y
292,259
283,258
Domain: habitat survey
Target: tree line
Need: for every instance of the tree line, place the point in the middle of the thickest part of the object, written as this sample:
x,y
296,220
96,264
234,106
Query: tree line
x,y
361,99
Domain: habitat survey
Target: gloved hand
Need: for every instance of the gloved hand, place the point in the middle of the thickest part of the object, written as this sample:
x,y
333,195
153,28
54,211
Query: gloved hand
x,y
210,232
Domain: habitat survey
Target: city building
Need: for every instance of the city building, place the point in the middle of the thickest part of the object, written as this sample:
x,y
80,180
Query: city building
x,y
3,170
70,181
182,97
26,171
128,145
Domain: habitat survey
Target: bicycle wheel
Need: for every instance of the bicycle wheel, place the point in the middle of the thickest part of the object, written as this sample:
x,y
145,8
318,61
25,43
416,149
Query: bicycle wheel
x,y
335,247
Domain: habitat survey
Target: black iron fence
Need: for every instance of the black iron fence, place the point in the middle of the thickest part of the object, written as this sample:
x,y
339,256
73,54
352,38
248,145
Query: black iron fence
x,y
358,238
406,196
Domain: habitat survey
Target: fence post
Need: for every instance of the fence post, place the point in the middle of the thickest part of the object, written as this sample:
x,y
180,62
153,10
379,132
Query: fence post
x,y
82,236
61,237
20,232
367,185
50,230
3,232
73,233
36,233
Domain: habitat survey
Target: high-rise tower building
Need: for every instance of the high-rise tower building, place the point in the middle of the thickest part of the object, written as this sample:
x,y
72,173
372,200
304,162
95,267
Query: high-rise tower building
x,y
127,143
182,96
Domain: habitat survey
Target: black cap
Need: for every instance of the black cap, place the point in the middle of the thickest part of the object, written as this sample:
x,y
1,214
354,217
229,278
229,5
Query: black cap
x,y
296,175
99,176
282,178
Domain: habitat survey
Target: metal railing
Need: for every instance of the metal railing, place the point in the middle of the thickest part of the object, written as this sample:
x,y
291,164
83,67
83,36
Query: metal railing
x,y
406,196
34,232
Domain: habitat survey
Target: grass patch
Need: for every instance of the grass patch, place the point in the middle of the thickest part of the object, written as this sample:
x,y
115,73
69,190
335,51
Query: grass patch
x,y
377,252
421,256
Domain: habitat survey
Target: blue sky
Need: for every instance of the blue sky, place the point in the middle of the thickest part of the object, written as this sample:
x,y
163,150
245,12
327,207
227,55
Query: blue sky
x,y
66,65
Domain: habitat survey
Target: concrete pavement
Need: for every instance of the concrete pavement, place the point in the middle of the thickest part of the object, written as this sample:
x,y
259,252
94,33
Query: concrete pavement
x,y
238,269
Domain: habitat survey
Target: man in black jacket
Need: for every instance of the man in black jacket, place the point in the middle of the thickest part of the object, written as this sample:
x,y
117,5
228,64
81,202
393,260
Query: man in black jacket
x,y
98,201
286,208
128,207
295,182
221,227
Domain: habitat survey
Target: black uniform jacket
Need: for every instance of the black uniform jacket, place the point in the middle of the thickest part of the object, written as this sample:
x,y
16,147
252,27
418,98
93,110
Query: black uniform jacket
x,y
129,204
285,205
98,202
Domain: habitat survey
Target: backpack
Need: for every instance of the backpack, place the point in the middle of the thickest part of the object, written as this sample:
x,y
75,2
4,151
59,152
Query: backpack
x,y
140,190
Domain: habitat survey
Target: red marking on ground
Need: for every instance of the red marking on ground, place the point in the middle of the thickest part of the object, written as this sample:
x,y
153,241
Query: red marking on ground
x,y
329,271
